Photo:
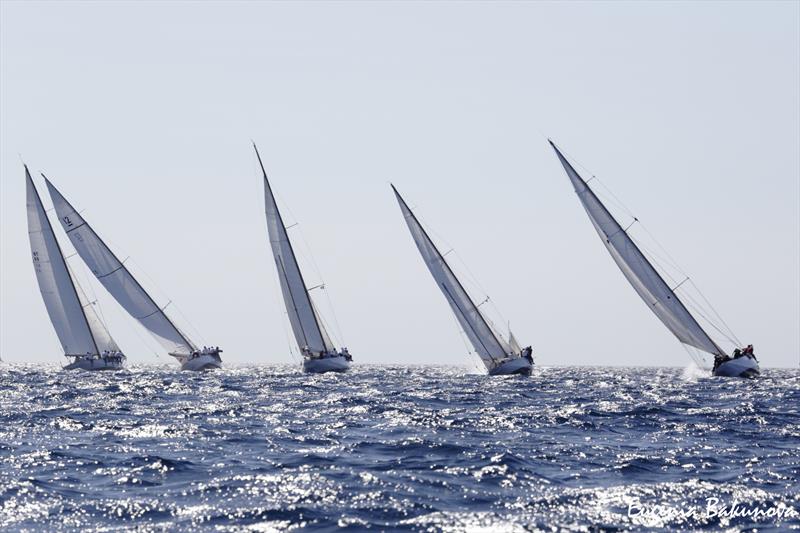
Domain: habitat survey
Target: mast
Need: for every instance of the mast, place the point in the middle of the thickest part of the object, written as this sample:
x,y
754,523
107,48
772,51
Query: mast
x,y
307,297
40,205
671,295
122,267
441,258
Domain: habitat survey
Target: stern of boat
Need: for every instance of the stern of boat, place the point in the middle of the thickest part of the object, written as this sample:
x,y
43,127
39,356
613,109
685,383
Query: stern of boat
x,y
96,363
337,363
740,367
518,366
196,363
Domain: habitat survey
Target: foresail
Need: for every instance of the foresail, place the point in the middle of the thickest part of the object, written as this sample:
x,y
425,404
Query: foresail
x,y
641,274
307,329
99,331
116,278
60,297
489,346
513,344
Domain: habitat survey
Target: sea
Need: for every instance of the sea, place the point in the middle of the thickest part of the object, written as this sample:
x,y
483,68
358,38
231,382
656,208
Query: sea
x,y
397,448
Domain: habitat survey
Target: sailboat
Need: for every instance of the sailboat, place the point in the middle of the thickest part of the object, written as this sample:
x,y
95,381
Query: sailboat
x,y
500,357
127,291
319,353
83,336
651,286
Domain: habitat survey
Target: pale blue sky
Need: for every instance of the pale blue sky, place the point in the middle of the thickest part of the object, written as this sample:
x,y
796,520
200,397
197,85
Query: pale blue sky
x,y
142,114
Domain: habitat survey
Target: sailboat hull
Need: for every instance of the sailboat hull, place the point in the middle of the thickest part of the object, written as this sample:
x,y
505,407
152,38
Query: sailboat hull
x,y
86,363
199,363
741,367
520,366
327,364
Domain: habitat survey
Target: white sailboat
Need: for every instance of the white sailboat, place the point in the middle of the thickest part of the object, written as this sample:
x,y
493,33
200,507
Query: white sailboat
x,y
500,357
128,292
319,353
83,336
651,287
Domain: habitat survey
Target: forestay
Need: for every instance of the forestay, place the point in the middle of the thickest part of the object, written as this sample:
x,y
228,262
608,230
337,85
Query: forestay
x,y
489,346
55,283
116,278
307,327
647,282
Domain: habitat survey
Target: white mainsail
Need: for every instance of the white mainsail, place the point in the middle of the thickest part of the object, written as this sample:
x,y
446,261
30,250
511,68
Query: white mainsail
x,y
638,270
74,319
116,278
489,346
309,332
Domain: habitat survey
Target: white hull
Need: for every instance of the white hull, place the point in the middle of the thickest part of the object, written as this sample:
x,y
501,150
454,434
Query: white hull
x,y
327,364
86,363
741,367
520,365
199,362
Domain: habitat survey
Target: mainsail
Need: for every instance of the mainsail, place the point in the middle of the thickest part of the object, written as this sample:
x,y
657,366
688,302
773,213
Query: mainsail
x,y
489,346
117,279
308,329
646,280
76,323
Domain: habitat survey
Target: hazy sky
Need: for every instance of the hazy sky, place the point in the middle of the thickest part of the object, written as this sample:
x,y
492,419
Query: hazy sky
x,y
142,115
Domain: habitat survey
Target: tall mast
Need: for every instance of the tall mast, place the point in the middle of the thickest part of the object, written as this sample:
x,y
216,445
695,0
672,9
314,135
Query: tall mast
x,y
294,260
441,258
61,256
122,267
619,229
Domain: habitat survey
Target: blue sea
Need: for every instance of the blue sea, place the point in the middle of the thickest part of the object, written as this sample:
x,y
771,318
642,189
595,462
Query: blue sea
x,y
397,448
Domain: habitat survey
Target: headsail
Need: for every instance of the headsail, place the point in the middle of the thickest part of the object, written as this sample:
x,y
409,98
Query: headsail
x,y
646,280
513,343
489,346
99,331
56,284
117,279
307,327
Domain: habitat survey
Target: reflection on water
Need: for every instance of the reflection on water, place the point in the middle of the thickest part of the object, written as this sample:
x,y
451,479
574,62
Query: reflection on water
x,y
415,448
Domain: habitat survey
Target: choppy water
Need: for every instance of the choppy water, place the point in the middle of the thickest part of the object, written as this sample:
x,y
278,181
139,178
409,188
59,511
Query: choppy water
x,y
414,448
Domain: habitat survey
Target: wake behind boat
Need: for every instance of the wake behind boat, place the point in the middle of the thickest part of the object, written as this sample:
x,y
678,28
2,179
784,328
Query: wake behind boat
x,y
499,357
127,291
319,353
651,286
83,336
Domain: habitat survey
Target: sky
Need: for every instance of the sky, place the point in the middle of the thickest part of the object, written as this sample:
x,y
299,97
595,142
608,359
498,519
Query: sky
x,y
142,114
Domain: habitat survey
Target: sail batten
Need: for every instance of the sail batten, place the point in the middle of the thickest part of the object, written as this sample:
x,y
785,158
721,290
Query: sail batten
x,y
638,270
489,346
309,332
76,323
117,279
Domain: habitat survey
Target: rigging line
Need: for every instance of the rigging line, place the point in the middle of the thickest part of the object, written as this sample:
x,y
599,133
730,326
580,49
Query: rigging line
x,y
177,308
715,311
700,311
662,261
679,284
473,355
339,332
464,270
690,302
698,359
594,177
469,323
308,255
696,306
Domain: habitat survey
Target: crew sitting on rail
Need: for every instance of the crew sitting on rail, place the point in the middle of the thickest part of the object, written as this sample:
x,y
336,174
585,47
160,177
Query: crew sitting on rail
x,y
527,353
